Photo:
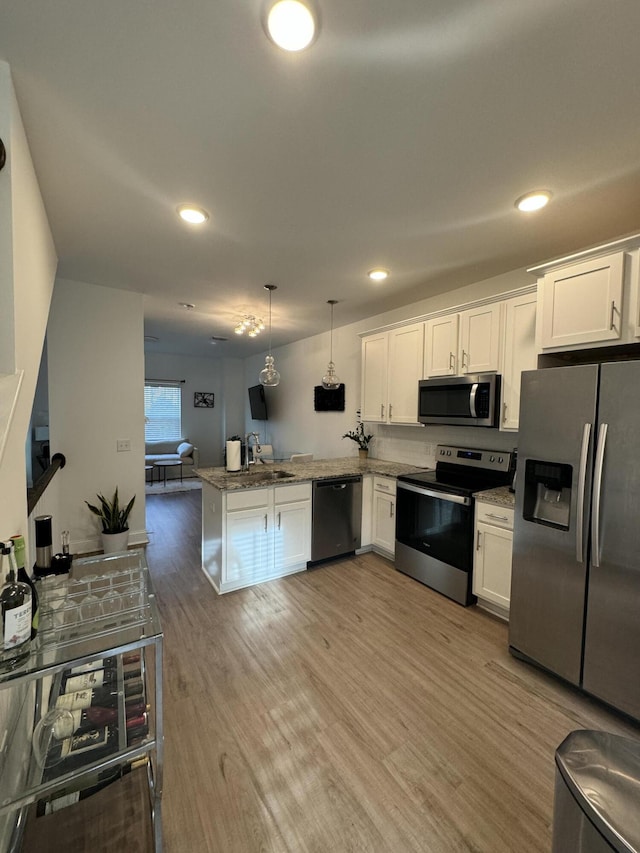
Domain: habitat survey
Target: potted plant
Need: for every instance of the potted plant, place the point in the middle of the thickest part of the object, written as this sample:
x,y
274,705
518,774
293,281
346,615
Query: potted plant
x,y
362,439
114,520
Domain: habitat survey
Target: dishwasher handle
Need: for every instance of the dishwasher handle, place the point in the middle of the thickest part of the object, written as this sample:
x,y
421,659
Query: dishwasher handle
x,y
338,484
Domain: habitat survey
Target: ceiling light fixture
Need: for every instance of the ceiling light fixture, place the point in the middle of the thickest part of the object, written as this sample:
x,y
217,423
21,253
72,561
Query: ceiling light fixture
x,y
535,200
188,306
269,376
330,381
192,214
249,324
378,274
291,25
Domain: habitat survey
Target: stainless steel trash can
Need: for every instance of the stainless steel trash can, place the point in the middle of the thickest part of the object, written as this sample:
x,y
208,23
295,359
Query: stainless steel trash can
x,y
597,794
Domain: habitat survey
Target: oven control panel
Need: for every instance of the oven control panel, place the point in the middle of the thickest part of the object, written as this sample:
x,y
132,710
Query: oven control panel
x,y
494,460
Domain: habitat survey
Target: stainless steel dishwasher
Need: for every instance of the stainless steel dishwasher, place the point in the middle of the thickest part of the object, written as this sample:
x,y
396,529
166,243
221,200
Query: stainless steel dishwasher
x,y
337,517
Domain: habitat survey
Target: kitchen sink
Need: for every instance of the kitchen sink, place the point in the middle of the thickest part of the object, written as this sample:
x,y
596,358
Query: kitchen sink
x,y
263,477
271,475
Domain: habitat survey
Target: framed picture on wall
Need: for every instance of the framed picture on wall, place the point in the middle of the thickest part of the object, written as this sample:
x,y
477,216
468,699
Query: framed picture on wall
x,y
203,400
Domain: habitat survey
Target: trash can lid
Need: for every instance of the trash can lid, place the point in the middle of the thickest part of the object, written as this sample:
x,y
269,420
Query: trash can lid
x,y
602,771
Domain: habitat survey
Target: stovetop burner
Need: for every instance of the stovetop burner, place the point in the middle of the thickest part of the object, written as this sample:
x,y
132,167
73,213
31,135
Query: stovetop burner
x,y
464,470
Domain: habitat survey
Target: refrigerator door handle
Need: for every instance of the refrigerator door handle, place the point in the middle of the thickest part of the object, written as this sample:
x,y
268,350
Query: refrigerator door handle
x,y
582,480
597,494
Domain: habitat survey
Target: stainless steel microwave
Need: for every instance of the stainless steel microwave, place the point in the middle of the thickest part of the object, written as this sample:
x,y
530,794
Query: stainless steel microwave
x,y
471,400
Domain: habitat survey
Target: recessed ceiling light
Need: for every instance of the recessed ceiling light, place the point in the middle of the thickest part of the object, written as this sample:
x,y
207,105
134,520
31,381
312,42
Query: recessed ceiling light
x,y
291,25
378,274
533,201
187,305
192,214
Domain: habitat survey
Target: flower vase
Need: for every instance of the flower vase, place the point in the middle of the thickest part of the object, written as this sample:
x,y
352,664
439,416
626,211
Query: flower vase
x,y
363,453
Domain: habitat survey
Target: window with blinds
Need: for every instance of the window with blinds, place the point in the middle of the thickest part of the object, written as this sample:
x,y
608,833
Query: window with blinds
x,y
162,411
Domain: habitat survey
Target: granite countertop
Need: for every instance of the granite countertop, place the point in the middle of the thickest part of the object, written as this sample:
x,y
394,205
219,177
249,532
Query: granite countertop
x,y
300,472
500,496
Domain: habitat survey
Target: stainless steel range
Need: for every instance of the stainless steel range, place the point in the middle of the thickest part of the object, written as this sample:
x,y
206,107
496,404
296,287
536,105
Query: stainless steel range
x,y
434,517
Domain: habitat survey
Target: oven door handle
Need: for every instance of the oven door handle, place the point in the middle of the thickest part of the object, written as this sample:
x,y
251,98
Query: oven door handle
x,y
432,493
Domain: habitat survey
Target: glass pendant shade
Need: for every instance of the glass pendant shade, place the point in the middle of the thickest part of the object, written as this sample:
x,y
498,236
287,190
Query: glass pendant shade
x,y
269,376
330,381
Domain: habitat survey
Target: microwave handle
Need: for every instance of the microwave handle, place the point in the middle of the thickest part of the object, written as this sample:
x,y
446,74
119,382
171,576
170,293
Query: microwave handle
x,y
472,400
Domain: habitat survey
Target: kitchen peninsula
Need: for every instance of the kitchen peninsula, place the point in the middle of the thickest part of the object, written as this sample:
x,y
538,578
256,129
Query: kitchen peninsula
x,y
256,525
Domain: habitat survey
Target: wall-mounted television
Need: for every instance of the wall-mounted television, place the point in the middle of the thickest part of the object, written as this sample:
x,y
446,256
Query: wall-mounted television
x,y
257,403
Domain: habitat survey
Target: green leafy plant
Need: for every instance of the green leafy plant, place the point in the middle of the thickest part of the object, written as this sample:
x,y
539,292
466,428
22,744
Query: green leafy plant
x,y
112,517
361,438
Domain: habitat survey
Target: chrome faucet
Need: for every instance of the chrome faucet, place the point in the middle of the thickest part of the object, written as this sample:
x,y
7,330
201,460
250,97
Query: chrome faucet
x,y
256,438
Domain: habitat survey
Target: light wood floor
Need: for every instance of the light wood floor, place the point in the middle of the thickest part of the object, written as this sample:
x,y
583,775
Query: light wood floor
x,y
348,708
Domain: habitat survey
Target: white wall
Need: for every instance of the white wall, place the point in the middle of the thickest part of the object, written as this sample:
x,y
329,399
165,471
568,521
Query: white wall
x,y
294,425
96,396
206,428
27,269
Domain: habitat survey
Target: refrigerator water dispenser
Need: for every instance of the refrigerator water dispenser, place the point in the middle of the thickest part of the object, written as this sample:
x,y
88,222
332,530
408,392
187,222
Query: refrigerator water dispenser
x,y
547,493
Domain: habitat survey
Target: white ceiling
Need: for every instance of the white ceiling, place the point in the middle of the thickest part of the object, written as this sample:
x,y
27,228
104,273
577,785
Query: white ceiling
x,y
401,138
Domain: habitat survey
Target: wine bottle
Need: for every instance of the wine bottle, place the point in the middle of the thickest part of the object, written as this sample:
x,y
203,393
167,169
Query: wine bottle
x,y
81,749
105,663
80,721
96,678
15,604
19,551
104,697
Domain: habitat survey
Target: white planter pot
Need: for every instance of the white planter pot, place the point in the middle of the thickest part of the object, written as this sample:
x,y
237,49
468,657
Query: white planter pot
x,y
112,542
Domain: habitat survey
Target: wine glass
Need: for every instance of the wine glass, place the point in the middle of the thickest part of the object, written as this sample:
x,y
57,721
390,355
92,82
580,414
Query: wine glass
x,y
90,605
111,600
131,597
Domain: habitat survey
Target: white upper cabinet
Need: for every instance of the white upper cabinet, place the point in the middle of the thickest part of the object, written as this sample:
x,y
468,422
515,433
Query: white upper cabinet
x,y
406,347
519,353
582,303
480,339
441,346
391,367
373,401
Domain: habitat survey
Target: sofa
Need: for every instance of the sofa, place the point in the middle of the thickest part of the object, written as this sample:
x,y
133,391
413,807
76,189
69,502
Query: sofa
x,y
178,450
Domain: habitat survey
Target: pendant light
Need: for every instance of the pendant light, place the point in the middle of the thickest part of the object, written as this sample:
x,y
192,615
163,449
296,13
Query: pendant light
x,y
330,381
269,376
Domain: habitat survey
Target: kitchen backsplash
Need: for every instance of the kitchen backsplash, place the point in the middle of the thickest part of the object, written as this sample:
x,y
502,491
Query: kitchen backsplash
x,y
417,445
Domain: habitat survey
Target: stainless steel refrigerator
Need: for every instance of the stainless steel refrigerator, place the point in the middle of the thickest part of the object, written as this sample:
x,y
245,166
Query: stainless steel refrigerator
x,y
575,588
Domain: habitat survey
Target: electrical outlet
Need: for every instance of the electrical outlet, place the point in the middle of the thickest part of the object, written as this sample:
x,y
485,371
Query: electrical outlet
x,y
123,444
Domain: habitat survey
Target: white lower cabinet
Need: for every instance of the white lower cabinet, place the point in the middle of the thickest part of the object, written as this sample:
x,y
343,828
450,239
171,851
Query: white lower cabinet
x,y
254,535
384,516
492,557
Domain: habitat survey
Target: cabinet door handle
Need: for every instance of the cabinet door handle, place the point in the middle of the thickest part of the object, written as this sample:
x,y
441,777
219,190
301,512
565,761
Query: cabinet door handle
x,y
497,517
504,413
478,534
390,410
452,363
464,360
382,410
613,310
279,519
265,522
390,510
